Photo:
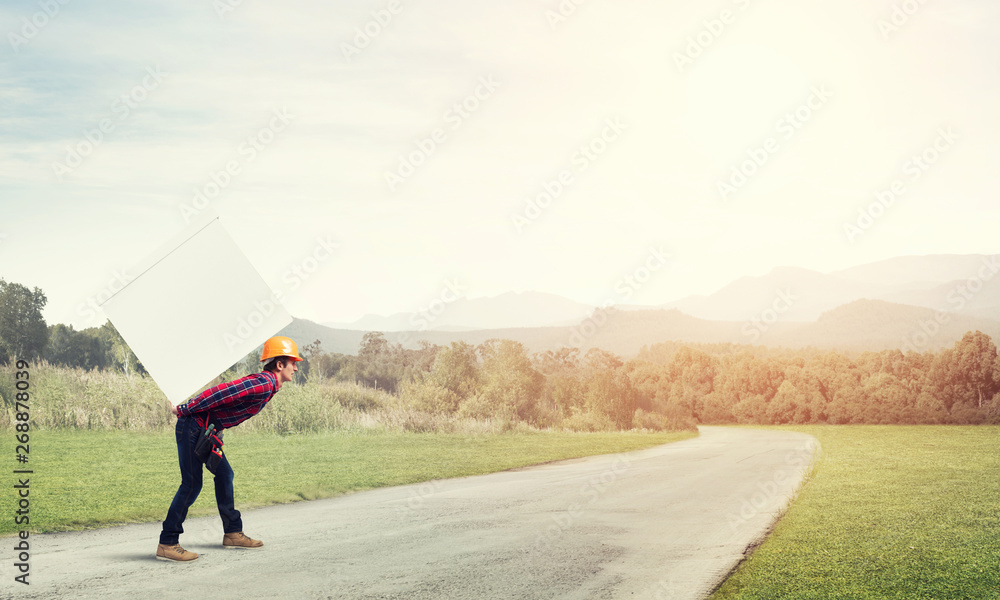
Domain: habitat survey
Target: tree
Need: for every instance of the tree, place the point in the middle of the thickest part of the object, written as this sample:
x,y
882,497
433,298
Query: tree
x,y
334,366
565,361
71,348
602,360
511,386
23,332
117,352
457,370
373,346
966,374
692,374
743,380
310,351
785,405
611,394
377,364
976,363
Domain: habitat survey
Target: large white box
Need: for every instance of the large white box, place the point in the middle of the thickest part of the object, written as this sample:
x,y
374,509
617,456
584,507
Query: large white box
x,y
196,307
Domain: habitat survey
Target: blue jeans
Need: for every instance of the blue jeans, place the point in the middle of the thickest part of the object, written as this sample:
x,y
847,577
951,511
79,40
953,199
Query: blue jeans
x,y
191,470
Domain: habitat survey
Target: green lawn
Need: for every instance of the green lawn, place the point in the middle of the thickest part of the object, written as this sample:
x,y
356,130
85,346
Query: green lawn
x,y
91,478
891,512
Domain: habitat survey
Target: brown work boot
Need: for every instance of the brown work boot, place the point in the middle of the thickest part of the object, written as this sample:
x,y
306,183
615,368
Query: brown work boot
x,y
239,540
174,552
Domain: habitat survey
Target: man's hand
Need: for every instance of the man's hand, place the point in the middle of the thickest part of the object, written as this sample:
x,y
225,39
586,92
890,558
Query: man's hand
x,y
173,410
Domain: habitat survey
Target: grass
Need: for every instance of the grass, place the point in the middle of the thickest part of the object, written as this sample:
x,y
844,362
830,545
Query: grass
x,y
87,479
907,512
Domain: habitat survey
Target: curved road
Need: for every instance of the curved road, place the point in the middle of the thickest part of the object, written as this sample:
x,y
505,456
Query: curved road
x,y
664,523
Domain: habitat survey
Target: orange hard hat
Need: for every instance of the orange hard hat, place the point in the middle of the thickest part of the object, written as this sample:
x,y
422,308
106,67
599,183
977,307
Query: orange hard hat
x,y
280,345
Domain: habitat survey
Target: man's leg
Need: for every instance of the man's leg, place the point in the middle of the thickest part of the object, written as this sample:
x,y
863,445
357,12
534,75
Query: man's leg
x,y
232,522
231,519
186,433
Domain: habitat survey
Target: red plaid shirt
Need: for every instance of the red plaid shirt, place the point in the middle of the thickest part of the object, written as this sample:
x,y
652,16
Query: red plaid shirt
x,y
233,402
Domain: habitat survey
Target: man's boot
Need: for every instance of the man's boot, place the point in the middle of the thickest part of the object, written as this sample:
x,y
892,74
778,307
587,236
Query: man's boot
x,y
174,552
239,540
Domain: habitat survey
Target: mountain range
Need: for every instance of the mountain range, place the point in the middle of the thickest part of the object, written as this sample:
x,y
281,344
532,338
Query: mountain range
x,y
914,302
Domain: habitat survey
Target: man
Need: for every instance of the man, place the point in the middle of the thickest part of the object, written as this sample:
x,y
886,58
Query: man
x,y
225,405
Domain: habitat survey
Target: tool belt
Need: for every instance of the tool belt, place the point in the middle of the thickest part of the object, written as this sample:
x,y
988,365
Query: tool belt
x,y
208,447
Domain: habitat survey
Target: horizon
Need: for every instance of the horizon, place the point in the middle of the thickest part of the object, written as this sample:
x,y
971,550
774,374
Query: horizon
x,y
667,305
364,158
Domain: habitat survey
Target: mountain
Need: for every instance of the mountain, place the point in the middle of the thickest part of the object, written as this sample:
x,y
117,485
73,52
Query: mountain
x,y
857,326
800,295
939,268
910,302
962,284
526,309
878,325
341,341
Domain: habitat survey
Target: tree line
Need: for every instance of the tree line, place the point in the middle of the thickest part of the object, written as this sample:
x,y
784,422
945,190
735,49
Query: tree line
x,y
675,385
666,386
24,334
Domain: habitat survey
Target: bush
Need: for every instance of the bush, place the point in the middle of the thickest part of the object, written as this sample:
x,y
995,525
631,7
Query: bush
x,y
64,398
586,420
430,397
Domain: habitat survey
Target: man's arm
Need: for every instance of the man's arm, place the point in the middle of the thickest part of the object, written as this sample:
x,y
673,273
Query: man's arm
x,y
222,394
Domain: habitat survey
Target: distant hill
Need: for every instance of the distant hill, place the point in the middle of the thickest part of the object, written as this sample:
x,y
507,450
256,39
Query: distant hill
x,y
525,309
341,341
856,326
877,325
908,269
895,303
936,281
806,294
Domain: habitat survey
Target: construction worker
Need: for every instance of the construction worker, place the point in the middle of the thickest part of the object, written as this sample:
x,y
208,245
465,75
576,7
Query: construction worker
x,y
225,405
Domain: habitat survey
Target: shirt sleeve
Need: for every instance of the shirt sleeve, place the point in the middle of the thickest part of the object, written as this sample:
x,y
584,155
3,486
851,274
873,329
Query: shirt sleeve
x,y
223,394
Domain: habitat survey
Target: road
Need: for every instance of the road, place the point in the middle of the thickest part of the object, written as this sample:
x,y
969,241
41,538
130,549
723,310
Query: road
x,y
664,523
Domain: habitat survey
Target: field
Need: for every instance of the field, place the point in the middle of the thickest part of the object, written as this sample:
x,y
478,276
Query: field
x,y
92,478
890,512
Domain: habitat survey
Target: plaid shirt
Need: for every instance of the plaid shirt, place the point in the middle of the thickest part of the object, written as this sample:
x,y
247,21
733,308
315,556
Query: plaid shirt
x,y
233,402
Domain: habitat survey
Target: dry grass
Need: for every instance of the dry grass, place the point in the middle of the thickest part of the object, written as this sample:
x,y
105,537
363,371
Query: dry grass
x,y
74,399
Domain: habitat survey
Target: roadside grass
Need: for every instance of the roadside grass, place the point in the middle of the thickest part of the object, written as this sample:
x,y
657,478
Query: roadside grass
x,y
889,512
85,479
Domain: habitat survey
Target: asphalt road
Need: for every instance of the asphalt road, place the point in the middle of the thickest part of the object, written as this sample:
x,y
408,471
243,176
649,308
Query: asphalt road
x,y
665,523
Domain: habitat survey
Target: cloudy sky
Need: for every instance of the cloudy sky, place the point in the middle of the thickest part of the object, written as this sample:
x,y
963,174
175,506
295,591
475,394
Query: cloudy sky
x,y
365,155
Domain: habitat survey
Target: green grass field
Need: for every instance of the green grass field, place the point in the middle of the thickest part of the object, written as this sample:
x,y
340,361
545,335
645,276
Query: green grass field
x,y
907,512
92,478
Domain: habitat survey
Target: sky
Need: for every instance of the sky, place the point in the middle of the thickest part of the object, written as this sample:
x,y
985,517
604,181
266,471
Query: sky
x,y
370,157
